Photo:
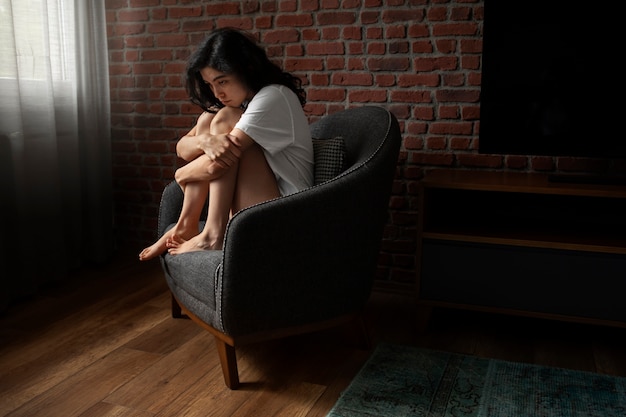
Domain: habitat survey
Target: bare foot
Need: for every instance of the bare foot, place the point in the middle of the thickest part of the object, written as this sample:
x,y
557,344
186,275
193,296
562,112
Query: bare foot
x,y
177,245
151,251
160,245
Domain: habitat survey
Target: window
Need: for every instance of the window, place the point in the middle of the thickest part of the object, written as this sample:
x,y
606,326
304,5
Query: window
x,y
39,35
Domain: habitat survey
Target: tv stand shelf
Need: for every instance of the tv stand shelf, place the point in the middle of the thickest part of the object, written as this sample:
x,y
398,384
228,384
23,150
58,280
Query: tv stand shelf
x,y
518,243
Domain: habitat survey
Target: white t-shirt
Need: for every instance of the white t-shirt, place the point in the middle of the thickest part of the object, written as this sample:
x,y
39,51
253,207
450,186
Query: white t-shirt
x,y
275,120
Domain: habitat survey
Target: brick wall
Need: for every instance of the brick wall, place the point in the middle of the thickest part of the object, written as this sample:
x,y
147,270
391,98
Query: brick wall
x,y
420,59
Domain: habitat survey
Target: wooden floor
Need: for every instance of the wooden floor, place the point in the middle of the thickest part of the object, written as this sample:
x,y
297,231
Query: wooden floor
x,y
104,344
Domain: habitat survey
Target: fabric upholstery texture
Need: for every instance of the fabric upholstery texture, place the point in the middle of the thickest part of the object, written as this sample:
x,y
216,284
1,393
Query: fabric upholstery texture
x,y
329,155
302,258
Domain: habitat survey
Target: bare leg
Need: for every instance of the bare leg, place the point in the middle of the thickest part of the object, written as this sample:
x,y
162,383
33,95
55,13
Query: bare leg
x,y
256,181
220,202
252,182
187,225
195,193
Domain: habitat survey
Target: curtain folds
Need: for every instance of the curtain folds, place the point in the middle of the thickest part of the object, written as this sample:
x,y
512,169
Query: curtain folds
x,y
55,146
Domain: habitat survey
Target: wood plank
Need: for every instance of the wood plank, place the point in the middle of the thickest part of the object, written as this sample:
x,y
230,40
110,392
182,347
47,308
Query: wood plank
x,y
520,182
162,383
108,311
209,396
69,349
288,400
165,337
103,409
77,393
340,381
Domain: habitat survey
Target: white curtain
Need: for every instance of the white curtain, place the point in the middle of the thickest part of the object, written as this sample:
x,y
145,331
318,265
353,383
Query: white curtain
x,y
55,152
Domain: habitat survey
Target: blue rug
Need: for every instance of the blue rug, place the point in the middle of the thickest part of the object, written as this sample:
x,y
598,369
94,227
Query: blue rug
x,y
408,381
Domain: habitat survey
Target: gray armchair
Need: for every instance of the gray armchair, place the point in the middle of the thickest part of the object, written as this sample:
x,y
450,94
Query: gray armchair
x,y
298,263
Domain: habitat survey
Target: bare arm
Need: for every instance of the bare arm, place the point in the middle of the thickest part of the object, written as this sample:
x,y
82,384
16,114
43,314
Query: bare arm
x,y
207,167
200,169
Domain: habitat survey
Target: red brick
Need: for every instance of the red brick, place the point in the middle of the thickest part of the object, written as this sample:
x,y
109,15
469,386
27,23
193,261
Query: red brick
x,y
133,15
319,79
395,31
542,163
129,29
327,48
516,161
288,6
385,80
413,96
368,18
140,42
363,79
461,143
400,15
453,95
281,36
412,80
181,12
368,96
451,128
244,23
332,94
436,143
335,18
330,33
163,27
388,64
157,55
300,20
436,63
353,33
304,64
334,63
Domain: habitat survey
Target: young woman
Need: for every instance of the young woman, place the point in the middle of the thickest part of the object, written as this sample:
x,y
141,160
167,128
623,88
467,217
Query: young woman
x,y
256,147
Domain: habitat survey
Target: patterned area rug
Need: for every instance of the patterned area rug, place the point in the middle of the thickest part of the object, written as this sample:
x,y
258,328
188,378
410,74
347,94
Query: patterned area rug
x,y
408,381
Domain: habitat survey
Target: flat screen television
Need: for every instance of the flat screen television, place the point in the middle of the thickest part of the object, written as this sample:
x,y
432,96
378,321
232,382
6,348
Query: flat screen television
x,y
553,79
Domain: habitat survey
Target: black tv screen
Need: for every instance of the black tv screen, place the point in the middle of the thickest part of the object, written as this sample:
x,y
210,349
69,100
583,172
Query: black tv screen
x,y
552,79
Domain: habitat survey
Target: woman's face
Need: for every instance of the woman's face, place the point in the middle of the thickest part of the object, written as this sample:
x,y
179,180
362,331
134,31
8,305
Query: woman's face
x,y
226,88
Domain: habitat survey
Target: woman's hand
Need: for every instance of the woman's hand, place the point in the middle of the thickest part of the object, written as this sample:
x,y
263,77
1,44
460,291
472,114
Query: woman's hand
x,y
220,149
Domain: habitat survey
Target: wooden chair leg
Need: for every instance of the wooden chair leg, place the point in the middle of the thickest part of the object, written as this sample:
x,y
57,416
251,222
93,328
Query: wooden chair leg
x,y
228,360
177,312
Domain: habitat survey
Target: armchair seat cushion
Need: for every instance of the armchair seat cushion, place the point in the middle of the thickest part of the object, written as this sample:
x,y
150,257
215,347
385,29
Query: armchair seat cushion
x,y
192,278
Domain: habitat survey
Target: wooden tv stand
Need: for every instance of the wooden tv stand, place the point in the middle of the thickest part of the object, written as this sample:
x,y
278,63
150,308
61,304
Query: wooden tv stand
x,y
517,243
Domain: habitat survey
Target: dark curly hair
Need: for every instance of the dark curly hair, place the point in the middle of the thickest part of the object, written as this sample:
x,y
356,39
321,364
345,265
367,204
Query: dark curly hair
x,y
234,52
